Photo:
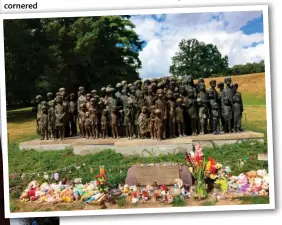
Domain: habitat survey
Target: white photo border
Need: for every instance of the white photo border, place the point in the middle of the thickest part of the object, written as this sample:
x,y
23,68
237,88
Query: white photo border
x,y
271,205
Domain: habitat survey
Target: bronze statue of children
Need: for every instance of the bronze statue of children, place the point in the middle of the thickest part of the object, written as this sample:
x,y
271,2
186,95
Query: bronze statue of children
x,y
215,114
158,124
104,123
237,109
93,110
191,109
202,100
60,117
73,114
213,96
114,122
51,120
171,114
179,116
39,112
143,122
81,120
161,105
220,86
44,123
88,97
227,114
88,125
152,122
129,119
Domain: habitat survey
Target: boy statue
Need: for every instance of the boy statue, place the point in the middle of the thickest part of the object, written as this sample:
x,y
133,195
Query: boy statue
x,y
237,109
44,123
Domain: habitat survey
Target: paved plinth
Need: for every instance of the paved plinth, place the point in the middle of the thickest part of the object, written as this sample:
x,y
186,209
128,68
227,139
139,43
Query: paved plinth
x,y
145,147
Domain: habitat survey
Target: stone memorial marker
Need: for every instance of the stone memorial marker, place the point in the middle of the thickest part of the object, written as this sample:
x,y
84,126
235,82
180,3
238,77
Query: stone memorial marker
x,y
262,157
160,174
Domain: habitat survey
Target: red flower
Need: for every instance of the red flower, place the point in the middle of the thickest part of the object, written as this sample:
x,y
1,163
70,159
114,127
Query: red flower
x,y
98,182
213,163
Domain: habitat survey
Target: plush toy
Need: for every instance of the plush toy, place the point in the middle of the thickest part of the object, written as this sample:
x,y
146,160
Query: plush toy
x,y
179,183
251,174
169,198
149,189
135,197
126,189
266,179
24,196
261,173
223,183
145,195
67,195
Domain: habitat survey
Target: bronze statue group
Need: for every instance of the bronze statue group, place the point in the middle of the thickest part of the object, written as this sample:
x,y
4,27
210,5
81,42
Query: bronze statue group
x,y
156,108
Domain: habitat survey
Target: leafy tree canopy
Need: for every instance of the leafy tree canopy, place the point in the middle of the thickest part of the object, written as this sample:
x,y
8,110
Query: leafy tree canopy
x,y
42,55
197,59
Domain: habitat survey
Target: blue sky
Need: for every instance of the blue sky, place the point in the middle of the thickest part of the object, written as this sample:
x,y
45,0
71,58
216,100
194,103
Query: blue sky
x,y
239,35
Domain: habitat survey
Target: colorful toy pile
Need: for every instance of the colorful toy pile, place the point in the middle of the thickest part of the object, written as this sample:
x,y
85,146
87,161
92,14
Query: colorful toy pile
x,y
210,177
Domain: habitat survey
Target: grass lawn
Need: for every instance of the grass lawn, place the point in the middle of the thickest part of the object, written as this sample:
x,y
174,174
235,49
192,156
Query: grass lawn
x,y
21,127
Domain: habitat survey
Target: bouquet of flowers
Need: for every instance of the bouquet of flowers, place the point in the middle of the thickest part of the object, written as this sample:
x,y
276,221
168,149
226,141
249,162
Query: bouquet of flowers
x,y
201,169
102,180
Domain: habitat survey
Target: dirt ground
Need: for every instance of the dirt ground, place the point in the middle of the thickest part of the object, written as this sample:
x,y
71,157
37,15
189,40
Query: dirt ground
x,y
79,205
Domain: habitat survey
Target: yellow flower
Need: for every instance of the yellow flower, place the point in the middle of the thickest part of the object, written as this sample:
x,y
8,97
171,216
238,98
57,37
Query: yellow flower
x,y
218,166
191,169
213,176
208,165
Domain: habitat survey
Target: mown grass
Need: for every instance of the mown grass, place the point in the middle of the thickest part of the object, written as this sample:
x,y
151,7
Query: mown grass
x,y
254,200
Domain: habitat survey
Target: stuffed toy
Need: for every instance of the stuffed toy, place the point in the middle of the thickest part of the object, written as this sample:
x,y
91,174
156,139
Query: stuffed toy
x,y
149,189
135,197
169,198
266,179
251,174
126,189
67,195
145,195
179,183
261,173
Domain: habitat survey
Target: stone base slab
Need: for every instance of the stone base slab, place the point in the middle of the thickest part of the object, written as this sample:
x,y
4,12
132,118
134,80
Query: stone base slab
x,y
145,147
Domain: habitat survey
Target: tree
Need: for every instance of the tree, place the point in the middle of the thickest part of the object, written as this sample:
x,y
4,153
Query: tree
x,y
198,59
42,55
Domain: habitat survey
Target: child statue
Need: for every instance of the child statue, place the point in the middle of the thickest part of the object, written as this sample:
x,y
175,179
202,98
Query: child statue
x,y
94,117
227,114
191,108
215,114
161,105
60,115
88,125
129,119
220,86
143,122
237,109
39,112
82,116
104,123
213,96
158,124
73,114
52,120
202,100
44,123
114,122
152,122
88,97
171,114
179,117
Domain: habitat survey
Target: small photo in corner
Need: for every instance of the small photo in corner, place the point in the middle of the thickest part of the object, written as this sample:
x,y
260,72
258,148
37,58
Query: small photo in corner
x,y
136,111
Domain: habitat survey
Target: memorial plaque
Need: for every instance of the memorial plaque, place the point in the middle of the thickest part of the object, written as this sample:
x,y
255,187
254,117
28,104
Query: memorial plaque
x,y
161,174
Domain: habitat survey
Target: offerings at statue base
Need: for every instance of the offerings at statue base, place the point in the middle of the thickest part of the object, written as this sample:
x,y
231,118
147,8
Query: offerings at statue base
x,y
210,179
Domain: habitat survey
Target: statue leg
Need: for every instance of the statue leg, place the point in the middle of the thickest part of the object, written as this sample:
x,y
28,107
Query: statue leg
x,y
117,133
173,129
179,129
164,129
194,126
230,125
132,135
97,131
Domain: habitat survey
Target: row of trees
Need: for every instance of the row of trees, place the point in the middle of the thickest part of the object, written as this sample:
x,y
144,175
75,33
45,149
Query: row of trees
x,y
204,60
44,54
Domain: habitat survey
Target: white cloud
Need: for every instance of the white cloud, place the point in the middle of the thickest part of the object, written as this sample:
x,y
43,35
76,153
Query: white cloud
x,y
221,29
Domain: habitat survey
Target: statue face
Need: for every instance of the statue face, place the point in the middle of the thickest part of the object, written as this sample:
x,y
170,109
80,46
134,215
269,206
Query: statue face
x,y
228,81
213,84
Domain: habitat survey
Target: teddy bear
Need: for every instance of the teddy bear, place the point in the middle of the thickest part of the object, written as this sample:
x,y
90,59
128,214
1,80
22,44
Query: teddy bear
x,y
169,198
251,174
135,197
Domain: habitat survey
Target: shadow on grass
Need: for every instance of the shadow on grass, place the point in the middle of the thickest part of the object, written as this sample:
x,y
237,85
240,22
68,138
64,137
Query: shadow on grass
x,y
20,115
